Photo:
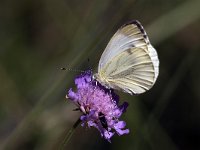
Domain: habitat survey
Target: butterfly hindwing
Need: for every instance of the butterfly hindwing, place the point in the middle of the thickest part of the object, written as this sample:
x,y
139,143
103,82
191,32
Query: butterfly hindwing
x,y
131,71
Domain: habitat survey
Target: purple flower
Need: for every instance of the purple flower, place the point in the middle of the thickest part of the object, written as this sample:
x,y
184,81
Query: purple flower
x,y
100,106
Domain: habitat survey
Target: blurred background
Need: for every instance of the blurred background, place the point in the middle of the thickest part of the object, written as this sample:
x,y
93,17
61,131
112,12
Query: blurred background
x,y
39,37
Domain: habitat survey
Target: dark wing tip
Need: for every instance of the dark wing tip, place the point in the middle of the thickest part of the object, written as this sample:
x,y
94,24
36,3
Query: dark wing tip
x,y
140,27
136,22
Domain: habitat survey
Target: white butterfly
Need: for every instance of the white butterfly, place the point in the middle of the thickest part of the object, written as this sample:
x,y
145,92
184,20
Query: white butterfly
x,y
129,62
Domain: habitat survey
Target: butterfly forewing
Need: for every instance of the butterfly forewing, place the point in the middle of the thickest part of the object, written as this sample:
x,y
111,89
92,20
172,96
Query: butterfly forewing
x,y
129,62
126,37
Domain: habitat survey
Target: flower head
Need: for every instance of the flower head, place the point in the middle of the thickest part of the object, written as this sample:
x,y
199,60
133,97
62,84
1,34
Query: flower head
x,y
99,105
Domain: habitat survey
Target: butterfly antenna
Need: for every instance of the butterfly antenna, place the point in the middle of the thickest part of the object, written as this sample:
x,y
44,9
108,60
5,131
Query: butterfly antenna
x,y
90,68
69,69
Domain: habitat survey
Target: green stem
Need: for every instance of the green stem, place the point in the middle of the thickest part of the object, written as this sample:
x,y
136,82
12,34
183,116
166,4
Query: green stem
x,y
69,134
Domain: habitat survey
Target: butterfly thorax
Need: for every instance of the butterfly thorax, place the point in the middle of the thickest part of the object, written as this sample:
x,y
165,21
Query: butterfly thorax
x,y
102,80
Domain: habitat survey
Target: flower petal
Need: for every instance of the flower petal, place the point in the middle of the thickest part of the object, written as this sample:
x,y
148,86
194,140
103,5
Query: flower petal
x,y
72,95
120,124
108,135
122,132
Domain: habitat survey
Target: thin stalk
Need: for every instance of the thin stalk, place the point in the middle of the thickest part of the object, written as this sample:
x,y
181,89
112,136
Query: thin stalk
x,y
69,134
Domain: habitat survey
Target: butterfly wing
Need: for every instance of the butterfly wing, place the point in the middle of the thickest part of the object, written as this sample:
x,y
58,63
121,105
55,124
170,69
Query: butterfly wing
x,y
129,62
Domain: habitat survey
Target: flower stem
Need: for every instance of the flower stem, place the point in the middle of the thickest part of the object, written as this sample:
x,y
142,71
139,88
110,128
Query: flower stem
x,y
69,134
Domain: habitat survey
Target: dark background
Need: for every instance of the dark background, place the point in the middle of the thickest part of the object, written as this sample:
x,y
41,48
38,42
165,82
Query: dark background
x,y
39,37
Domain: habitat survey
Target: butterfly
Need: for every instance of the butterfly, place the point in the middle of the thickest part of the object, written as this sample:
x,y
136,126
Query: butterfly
x,y
129,62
